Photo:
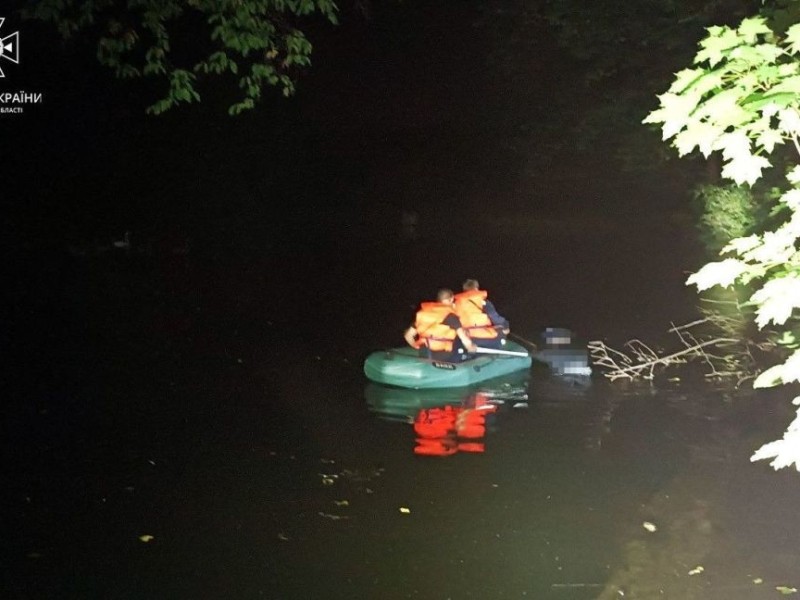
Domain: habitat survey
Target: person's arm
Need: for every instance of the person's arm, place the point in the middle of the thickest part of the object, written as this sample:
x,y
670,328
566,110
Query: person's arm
x,y
453,322
466,340
495,317
410,336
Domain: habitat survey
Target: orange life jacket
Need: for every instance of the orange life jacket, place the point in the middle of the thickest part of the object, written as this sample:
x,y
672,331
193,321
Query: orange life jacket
x,y
431,330
469,308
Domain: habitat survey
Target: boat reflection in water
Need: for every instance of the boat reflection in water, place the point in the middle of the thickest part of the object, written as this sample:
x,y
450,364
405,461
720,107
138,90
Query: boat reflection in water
x,y
448,421
442,431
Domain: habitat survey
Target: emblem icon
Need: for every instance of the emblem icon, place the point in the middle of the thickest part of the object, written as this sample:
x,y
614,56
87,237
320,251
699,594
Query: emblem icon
x,y
9,47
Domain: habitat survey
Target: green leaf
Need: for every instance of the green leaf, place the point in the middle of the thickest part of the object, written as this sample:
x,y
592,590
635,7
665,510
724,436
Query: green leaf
x,y
734,145
752,27
722,273
752,56
742,245
769,52
724,110
745,169
674,112
793,38
793,176
697,134
789,84
769,378
789,121
708,82
715,47
776,300
769,139
684,79
769,104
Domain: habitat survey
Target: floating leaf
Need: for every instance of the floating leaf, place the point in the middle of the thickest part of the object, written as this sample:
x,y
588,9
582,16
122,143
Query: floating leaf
x,y
786,590
332,517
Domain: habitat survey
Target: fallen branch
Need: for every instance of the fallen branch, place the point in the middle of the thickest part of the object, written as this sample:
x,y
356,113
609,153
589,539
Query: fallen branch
x,y
639,360
601,356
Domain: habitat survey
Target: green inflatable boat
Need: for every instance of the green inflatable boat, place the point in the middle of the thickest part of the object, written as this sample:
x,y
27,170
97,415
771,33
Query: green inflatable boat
x,y
403,367
403,404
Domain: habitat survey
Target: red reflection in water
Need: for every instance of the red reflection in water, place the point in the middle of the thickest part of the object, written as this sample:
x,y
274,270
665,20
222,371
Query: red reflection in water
x,y
446,430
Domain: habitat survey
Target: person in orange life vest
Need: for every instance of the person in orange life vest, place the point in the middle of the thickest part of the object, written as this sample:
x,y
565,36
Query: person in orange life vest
x,y
479,317
437,331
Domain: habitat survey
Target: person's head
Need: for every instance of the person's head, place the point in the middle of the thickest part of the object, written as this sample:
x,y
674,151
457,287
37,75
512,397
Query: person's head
x,y
445,296
470,284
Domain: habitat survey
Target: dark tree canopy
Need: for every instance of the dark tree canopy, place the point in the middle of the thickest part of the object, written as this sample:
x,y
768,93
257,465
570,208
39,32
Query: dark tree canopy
x,y
183,41
628,49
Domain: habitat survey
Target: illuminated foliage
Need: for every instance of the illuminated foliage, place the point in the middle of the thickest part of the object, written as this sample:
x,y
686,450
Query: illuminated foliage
x,y
742,99
254,41
728,212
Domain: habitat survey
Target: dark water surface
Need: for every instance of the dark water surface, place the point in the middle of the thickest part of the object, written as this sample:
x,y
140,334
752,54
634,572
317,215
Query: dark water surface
x,y
216,402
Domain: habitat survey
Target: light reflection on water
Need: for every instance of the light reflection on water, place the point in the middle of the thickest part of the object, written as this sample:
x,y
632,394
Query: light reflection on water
x,y
451,420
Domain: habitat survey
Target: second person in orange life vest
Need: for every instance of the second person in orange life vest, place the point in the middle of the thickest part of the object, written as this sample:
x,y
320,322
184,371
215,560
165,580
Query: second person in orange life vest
x,y
437,330
479,317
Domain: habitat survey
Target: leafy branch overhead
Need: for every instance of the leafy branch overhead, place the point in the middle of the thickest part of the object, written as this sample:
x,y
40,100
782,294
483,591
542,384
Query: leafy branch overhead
x,y
741,99
255,41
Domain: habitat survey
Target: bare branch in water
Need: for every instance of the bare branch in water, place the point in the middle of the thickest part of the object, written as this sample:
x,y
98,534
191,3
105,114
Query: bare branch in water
x,y
709,340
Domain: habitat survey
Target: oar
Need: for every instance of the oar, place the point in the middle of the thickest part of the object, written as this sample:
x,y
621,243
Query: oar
x,y
479,350
521,339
